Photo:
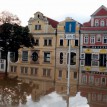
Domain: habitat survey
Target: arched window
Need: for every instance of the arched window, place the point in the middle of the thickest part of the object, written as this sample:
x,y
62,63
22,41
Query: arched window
x,y
96,22
102,23
61,58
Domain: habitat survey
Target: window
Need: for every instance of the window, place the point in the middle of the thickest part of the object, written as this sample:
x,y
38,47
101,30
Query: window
x,y
2,66
87,59
103,81
60,74
13,68
86,39
12,56
24,70
105,39
91,79
82,56
99,97
96,22
102,23
46,72
36,42
61,42
72,58
37,27
76,42
25,56
98,38
92,39
94,97
95,63
47,42
97,81
95,56
34,71
84,79
75,75
82,62
102,60
46,56
61,58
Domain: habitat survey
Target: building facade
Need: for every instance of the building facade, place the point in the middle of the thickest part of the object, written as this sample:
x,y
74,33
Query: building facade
x,y
38,63
93,58
62,58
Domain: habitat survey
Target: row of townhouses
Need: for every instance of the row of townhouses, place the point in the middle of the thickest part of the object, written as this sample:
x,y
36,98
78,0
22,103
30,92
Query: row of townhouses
x,y
46,63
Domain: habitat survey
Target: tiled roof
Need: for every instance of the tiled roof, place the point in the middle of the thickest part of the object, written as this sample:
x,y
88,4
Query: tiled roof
x,y
94,28
87,24
52,22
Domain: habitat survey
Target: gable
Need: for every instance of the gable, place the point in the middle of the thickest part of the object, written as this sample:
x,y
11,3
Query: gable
x,y
102,11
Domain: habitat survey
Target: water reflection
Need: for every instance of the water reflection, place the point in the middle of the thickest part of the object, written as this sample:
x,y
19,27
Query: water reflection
x,y
13,93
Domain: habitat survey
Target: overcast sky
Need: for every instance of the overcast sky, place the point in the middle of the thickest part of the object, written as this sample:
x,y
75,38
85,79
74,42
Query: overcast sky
x,y
79,10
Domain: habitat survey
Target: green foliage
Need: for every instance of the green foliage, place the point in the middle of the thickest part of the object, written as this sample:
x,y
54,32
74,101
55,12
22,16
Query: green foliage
x,y
12,37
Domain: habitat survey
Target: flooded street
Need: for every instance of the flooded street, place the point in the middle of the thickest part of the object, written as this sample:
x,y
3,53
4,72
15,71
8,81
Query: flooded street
x,y
15,93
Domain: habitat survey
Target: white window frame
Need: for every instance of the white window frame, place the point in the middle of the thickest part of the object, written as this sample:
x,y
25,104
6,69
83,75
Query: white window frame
x,y
104,37
97,81
102,82
93,56
91,79
86,39
102,23
82,62
47,57
98,38
84,79
95,64
92,39
82,56
96,22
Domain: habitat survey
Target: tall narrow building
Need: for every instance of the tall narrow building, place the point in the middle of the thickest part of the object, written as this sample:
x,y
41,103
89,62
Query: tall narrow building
x,y
62,59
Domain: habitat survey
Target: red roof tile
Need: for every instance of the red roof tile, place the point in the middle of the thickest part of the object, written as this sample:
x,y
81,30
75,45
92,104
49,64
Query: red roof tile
x,y
87,24
52,22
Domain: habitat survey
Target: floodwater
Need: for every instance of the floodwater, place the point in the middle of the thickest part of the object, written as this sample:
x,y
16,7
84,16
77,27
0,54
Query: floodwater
x,y
15,93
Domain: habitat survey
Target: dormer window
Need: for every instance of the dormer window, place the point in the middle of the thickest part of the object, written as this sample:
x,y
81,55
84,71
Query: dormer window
x,y
96,22
102,23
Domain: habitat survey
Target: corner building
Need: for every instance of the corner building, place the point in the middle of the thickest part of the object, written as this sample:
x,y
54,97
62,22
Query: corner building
x,y
93,59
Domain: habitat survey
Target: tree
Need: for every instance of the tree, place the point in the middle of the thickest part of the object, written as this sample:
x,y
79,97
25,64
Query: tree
x,y
12,37
7,17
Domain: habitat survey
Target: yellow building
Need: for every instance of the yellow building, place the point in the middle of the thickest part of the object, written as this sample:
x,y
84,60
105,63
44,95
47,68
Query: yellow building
x,y
62,59
38,63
